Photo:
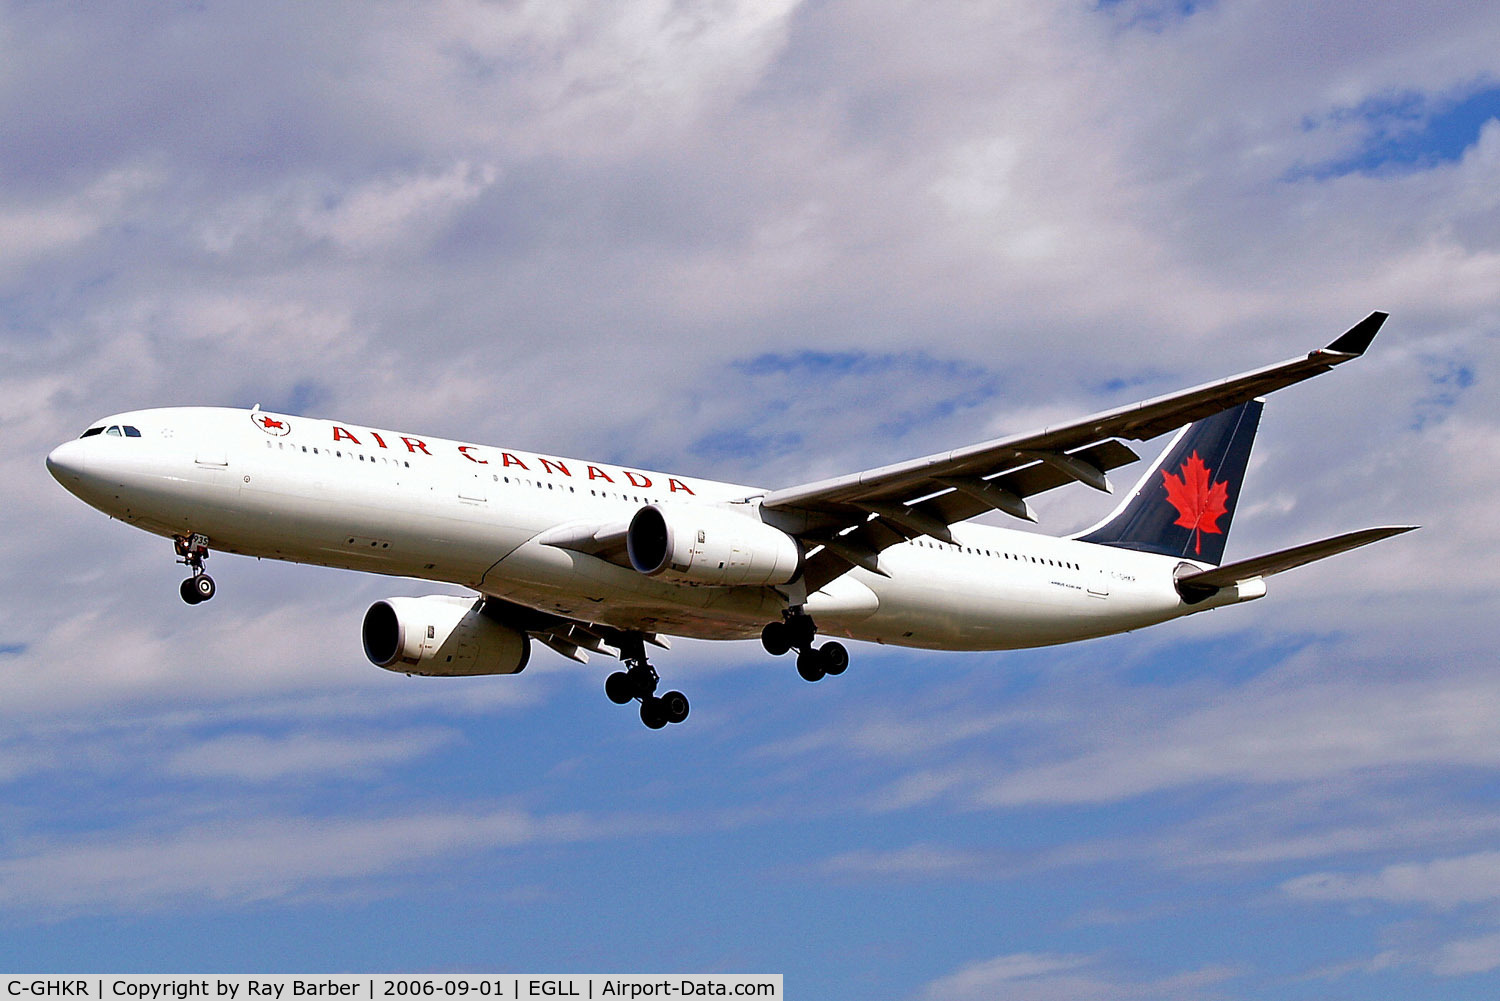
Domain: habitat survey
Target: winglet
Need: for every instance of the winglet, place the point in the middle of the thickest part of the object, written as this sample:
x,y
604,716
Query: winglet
x,y
1357,338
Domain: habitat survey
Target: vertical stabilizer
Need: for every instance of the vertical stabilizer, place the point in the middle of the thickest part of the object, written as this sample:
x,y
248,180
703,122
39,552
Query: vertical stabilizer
x,y
1184,505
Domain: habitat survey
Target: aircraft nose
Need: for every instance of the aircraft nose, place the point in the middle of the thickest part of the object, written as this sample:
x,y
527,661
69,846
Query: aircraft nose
x,y
68,462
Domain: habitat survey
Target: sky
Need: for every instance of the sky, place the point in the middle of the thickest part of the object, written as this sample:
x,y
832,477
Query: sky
x,y
766,241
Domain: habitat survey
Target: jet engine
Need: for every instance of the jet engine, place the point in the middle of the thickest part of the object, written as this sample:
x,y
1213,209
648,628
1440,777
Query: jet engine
x,y
706,545
441,636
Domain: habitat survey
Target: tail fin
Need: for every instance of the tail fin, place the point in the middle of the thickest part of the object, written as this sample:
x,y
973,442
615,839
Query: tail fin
x,y
1184,505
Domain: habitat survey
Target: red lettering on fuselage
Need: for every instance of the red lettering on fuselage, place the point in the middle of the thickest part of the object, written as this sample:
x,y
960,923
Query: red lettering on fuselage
x,y
553,467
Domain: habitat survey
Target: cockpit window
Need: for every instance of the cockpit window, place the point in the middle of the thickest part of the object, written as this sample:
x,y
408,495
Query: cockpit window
x,y
132,432
91,432
114,429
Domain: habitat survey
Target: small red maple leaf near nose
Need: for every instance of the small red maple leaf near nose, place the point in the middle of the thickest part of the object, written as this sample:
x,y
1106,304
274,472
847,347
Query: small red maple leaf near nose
x,y
1199,501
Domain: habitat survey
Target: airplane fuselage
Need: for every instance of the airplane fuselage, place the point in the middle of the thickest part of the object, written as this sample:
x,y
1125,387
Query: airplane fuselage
x,y
341,495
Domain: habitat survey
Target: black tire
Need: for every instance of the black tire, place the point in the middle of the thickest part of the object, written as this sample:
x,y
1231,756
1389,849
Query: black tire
x,y
675,705
204,585
653,713
835,657
619,688
810,665
189,592
776,638
801,630
642,684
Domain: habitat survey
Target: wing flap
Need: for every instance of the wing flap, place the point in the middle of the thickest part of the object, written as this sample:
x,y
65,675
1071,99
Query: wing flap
x,y
569,637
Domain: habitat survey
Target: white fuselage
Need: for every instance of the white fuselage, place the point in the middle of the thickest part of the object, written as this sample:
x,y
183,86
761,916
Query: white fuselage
x,y
341,495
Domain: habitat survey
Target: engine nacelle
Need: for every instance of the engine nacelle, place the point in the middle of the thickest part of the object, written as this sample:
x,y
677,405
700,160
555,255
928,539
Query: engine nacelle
x,y
707,545
441,636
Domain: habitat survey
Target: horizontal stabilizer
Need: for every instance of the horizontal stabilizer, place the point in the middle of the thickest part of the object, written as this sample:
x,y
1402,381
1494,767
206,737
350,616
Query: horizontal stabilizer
x,y
1204,582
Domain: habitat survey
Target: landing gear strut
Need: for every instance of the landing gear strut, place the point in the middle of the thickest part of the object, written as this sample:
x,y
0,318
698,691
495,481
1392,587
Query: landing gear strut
x,y
192,550
639,681
796,631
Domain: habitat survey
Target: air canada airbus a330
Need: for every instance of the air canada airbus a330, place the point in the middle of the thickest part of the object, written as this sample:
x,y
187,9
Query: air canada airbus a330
x,y
589,556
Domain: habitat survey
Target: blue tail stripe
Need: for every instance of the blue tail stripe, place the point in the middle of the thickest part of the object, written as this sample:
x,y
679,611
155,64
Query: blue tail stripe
x,y
1155,519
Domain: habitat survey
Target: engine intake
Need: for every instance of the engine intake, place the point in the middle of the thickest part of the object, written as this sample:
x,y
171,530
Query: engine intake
x,y
441,636
706,545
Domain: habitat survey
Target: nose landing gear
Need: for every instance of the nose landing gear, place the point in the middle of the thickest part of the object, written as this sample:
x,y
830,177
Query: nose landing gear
x,y
192,550
639,681
796,631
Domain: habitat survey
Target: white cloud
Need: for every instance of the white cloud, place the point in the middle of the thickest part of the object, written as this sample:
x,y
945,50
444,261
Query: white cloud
x,y
258,758
922,861
1094,738
254,859
1440,884
1300,734
990,973
1046,976
1350,825
398,214
567,78
44,229
1461,957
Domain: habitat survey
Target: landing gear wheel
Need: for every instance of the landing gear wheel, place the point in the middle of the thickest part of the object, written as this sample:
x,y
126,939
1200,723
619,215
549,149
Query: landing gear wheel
x,y
776,638
810,665
639,680
643,682
835,658
619,687
801,630
653,713
675,706
192,550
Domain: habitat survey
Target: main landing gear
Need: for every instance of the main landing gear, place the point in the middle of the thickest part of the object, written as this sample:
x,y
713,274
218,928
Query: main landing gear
x,y
796,631
192,550
639,681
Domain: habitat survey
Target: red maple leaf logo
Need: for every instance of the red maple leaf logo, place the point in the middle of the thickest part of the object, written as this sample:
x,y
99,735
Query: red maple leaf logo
x,y
1199,501
268,423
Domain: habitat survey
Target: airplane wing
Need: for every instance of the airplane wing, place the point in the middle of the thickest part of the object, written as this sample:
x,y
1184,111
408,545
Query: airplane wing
x,y
572,638
853,518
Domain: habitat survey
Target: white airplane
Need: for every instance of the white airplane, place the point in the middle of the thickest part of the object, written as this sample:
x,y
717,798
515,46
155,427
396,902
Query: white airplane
x,y
584,556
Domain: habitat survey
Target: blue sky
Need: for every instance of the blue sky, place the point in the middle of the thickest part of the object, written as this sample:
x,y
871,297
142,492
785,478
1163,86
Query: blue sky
x,y
767,242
